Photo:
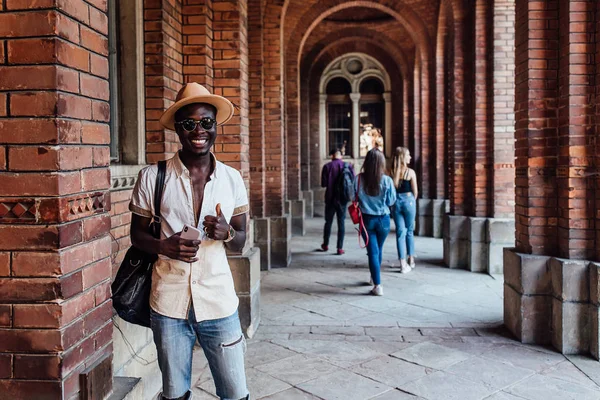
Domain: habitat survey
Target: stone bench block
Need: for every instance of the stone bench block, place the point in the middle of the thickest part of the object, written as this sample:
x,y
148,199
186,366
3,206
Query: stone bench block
x,y
245,269
298,217
570,280
424,217
527,317
262,239
456,244
478,249
527,274
308,197
594,310
570,327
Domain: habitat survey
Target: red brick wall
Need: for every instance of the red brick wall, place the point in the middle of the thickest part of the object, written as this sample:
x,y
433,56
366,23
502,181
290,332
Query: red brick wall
x,y
198,42
163,72
54,246
537,57
274,111
441,134
597,162
503,186
256,81
576,131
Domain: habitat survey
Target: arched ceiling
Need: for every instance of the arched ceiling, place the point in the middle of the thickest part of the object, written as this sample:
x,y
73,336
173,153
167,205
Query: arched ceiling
x,y
321,41
401,51
413,22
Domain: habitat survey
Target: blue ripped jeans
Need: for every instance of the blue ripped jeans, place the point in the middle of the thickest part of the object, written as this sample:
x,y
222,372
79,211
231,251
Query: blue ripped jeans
x,y
224,346
378,228
405,213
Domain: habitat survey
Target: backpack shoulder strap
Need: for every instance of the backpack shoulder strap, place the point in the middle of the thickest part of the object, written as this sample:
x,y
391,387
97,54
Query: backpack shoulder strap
x,y
158,194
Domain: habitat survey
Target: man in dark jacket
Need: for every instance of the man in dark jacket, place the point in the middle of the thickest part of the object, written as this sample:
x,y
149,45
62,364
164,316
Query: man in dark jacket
x,y
333,206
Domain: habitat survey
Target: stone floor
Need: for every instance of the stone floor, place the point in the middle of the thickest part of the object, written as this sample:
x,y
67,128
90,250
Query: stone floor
x,y
436,334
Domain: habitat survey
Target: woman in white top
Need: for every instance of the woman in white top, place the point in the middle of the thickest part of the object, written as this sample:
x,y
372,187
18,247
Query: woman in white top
x,y
405,210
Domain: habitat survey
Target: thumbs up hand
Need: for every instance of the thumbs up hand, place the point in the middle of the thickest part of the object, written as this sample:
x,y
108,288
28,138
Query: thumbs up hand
x,y
216,227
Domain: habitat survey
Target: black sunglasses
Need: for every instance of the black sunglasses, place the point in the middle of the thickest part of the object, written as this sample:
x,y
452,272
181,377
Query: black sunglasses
x,y
190,125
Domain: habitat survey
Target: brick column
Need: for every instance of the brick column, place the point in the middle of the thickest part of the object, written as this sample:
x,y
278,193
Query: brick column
x,y
198,42
550,299
273,233
55,270
230,52
163,72
503,186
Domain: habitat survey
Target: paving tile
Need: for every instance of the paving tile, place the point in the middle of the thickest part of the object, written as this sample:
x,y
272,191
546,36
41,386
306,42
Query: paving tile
x,y
569,372
298,369
432,355
335,330
493,374
384,347
397,395
548,388
588,366
344,385
444,386
523,357
391,371
291,394
391,331
448,332
344,354
200,394
263,352
310,336
503,396
263,328
346,310
259,384
375,320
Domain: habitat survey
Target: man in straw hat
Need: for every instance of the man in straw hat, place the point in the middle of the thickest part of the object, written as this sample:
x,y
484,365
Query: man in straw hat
x,y
192,288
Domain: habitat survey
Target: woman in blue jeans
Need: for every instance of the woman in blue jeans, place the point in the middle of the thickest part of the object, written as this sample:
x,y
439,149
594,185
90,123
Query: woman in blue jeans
x,y
376,194
405,209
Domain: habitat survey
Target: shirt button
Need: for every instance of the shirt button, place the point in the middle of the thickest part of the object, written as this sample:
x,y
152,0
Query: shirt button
x,y
194,282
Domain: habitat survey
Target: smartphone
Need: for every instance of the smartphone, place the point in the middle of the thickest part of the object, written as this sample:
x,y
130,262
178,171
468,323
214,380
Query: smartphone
x,y
190,233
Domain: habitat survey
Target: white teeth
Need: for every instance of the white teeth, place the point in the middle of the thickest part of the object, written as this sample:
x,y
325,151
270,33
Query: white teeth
x,y
200,141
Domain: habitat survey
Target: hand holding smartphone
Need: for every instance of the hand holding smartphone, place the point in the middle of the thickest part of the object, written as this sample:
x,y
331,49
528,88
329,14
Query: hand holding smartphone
x,y
191,233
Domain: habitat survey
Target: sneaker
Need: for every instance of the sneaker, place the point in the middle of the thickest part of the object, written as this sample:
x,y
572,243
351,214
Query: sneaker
x,y
340,252
324,247
411,262
404,267
377,290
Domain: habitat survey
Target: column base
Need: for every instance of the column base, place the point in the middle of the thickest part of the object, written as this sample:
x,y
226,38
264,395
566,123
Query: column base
x,y
456,249
273,237
553,301
297,208
309,197
476,244
319,202
245,269
424,222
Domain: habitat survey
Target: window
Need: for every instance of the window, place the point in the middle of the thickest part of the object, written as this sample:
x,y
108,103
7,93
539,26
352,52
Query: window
x,y
340,125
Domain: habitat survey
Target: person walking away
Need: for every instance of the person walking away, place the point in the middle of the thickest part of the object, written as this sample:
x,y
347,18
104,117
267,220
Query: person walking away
x,y
405,210
192,295
376,193
337,176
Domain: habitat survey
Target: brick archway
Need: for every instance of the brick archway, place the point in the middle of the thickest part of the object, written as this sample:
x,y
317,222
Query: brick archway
x,y
295,42
310,92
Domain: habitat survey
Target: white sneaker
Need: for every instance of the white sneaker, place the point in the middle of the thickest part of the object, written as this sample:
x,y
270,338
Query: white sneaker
x,y
404,267
411,262
377,290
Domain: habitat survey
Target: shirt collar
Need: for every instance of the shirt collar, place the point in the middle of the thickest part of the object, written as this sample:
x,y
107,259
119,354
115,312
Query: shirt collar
x,y
181,169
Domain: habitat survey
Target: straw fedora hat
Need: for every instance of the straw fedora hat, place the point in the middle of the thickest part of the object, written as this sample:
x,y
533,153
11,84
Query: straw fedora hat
x,y
194,92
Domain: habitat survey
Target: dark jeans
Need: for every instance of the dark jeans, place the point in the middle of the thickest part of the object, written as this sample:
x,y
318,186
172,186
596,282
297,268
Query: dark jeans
x,y
378,228
332,209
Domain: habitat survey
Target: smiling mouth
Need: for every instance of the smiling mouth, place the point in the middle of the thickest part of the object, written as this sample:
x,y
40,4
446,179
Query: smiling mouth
x,y
199,142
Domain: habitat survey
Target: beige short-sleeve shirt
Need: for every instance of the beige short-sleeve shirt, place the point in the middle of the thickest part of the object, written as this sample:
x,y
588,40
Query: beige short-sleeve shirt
x,y
206,284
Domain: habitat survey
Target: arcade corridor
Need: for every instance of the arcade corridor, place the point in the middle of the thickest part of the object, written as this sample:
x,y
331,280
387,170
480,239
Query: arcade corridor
x,y
498,102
